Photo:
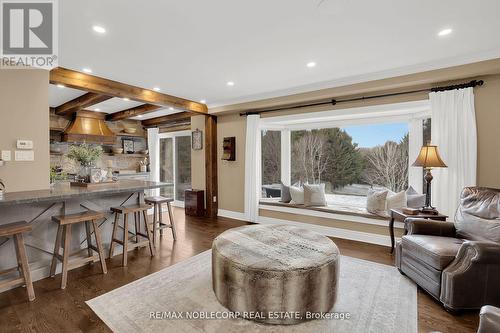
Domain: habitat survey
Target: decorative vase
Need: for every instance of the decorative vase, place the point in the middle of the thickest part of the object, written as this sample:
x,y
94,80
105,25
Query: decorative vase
x,y
84,173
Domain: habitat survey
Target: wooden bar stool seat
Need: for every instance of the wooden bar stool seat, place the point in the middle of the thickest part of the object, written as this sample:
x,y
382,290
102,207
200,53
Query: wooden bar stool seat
x,y
63,239
124,242
16,230
158,224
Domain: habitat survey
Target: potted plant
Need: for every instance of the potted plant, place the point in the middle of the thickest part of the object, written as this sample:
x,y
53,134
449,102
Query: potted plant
x,y
86,155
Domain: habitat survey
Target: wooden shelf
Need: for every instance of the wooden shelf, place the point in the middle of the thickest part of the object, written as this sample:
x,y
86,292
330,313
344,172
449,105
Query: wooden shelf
x,y
135,135
129,155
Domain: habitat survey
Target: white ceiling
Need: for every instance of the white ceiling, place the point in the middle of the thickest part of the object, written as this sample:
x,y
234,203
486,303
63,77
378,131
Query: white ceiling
x,y
191,48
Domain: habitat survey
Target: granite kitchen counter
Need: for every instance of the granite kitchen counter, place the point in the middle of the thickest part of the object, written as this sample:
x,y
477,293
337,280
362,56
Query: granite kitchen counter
x,y
63,191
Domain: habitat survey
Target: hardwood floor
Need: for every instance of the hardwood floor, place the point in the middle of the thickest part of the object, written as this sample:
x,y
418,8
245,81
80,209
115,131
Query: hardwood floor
x,y
56,310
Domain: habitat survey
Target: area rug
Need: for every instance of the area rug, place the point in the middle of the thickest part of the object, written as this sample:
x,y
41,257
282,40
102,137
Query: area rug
x,y
372,298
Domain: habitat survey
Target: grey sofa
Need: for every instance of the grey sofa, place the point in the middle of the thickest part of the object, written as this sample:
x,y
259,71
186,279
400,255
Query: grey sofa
x,y
457,262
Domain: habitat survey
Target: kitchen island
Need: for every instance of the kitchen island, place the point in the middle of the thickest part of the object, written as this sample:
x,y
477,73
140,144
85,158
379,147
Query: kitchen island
x,y
38,207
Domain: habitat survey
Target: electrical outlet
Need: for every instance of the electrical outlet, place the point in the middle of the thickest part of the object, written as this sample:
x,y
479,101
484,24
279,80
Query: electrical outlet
x,y
6,155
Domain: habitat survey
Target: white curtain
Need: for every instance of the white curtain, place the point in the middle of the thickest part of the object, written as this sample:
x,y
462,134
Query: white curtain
x,y
252,167
415,142
454,132
154,157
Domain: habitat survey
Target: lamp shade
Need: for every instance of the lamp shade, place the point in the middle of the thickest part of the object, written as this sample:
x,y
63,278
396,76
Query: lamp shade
x,y
429,158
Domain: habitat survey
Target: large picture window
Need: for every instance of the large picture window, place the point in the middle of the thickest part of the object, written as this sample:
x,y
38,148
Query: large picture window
x,y
350,158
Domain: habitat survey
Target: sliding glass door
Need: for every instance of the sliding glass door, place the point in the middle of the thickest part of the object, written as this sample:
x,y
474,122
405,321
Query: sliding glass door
x,y
175,164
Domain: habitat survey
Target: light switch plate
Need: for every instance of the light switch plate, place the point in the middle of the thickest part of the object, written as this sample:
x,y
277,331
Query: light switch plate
x,y
6,155
25,155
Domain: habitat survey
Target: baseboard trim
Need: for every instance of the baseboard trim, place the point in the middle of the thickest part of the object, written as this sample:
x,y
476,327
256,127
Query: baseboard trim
x,y
232,215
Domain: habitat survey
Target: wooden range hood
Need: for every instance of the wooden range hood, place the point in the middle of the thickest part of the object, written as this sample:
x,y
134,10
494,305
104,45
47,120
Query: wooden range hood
x,y
88,126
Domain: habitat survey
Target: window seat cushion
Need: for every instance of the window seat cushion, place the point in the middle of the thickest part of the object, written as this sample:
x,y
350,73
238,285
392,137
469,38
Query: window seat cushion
x,y
330,208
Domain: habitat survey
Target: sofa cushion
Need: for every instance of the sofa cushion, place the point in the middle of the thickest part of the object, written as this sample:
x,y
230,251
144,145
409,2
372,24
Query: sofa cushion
x,y
297,194
395,200
478,216
376,201
314,195
414,199
436,251
285,193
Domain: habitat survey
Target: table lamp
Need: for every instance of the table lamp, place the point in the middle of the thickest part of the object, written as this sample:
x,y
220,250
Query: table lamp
x,y
429,158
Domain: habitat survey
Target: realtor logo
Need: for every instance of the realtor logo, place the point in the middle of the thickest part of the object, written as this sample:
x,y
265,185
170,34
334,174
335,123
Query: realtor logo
x,y
29,33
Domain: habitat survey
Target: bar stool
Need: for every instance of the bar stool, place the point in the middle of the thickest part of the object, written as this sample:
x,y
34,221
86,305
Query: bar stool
x,y
64,238
17,229
158,223
125,211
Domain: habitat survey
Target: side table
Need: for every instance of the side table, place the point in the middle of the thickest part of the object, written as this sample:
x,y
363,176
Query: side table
x,y
398,215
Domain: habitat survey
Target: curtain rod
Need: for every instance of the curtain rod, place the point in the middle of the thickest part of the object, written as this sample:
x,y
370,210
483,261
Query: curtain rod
x,y
471,84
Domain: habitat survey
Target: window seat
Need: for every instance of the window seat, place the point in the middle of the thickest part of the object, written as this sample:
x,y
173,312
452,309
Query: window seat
x,y
330,208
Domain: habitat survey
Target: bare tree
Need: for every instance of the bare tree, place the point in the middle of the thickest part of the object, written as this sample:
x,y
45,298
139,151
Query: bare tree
x,y
387,165
310,150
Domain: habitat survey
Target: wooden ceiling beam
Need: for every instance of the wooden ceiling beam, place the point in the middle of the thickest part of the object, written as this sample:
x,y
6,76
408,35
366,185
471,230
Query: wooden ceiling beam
x,y
99,85
80,103
133,112
171,118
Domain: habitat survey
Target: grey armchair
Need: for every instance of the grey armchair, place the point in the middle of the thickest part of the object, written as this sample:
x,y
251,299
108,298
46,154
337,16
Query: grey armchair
x,y
458,263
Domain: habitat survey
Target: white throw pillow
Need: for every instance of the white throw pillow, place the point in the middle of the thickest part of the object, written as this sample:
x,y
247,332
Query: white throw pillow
x,y
314,195
297,194
375,201
396,200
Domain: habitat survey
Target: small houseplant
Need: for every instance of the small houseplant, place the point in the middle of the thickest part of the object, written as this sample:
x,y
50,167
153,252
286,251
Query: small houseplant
x,y
86,155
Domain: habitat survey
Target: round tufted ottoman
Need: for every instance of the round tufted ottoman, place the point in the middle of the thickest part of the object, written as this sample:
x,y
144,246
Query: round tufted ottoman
x,y
275,274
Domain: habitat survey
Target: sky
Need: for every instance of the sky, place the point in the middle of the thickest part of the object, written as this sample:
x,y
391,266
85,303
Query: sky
x,y
367,136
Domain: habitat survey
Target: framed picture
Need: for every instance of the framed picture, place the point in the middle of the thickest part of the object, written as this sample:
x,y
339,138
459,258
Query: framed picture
x,y
128,146
197,140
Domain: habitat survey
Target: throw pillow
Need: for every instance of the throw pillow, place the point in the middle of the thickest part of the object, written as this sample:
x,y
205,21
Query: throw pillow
x,y
314,195
375,201
285,193
297,194
396,200
414,199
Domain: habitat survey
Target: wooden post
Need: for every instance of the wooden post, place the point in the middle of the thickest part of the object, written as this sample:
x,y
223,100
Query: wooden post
x,y
212,198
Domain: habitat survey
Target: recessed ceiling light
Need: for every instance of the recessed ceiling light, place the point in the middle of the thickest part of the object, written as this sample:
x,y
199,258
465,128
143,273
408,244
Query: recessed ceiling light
x,y
99,29
60,86
97,109
203,101
87,70
311,64
139,116
445,32
156,89
171,108
126,99
230,83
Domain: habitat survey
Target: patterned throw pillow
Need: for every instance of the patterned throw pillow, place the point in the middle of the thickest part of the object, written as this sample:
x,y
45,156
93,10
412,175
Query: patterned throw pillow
x,y
297,194
376,201
285,193
314,195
